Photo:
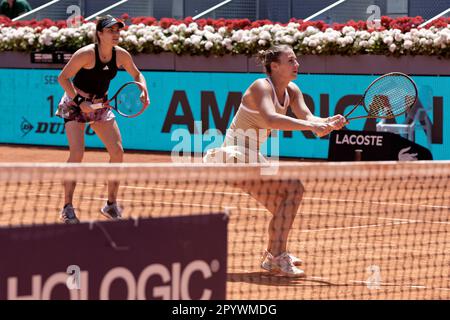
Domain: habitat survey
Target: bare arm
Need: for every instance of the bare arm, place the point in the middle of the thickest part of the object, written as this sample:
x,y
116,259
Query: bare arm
x,y
299,106
126,61
80,59
261,93
302,111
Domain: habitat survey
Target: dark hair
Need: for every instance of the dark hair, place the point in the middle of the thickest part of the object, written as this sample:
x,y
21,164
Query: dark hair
x,y
266,57
98,27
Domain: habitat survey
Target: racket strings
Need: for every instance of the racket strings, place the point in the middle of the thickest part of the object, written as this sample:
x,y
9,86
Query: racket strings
x,y
128,100
390,96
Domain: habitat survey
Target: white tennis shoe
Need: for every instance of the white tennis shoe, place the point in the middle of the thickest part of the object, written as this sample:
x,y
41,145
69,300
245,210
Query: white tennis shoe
x,y
112,211
68,215
285,264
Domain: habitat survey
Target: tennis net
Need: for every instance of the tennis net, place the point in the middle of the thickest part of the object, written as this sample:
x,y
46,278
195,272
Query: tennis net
x,y
363,230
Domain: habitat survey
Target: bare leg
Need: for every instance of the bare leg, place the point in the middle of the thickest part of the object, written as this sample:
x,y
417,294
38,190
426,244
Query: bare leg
x,y
282,198
109,133
75,136
282,220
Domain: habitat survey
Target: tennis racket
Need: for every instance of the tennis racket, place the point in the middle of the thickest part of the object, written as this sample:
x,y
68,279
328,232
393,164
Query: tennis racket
x,y
387,97
127,100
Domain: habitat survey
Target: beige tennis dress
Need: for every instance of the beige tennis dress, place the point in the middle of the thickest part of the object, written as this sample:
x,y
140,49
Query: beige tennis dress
x,y
247,132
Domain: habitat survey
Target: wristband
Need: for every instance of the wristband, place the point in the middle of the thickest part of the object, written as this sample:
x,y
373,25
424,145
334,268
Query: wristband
x,y
78,99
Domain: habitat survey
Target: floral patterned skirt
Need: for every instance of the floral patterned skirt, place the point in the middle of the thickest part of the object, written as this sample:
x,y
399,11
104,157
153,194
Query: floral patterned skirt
x,y
68,110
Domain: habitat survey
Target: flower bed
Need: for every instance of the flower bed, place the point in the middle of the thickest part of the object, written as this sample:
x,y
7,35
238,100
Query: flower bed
x,y
219,37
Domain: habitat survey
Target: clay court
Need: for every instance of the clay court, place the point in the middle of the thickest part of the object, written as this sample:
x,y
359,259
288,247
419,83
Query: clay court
x,y
346,231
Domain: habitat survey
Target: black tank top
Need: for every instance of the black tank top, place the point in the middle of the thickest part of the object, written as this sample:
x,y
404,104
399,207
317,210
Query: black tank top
x,y
96,80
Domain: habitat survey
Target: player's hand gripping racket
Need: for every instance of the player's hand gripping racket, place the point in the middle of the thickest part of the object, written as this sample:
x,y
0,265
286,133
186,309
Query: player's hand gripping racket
x,y
387,97
129,101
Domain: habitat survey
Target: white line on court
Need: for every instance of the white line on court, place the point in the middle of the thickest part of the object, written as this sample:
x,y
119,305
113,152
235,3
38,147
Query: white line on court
x,y
396,221
305,198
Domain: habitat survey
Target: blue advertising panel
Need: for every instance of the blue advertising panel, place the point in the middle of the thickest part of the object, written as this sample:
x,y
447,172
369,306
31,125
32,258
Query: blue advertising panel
x,y
185,104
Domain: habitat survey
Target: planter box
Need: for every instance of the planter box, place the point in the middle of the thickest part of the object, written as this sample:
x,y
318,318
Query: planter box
x,y
359,64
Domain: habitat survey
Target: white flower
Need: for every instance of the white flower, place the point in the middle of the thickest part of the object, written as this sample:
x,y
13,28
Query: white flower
x,y
364,43
311,30
237,36
388,40
408,44
228,44
364,35
437,42
196,40
276,27
341,42
329,37
262,42
174,38
348,29
132,39
222,30
173,28
288,39
348,40
166,44
208,45
398,37
264,35
313,43
182,27
209,35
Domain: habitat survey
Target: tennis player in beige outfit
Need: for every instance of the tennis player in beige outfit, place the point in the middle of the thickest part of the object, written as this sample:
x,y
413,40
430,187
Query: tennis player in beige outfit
x,y
263,108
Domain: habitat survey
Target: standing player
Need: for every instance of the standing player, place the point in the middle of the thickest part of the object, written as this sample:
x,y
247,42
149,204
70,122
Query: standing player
x,y
92,68
262,109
